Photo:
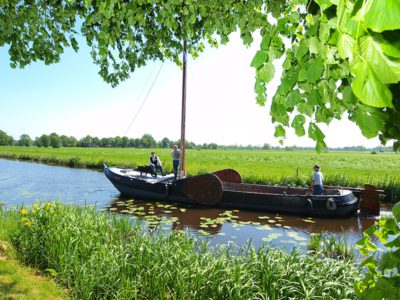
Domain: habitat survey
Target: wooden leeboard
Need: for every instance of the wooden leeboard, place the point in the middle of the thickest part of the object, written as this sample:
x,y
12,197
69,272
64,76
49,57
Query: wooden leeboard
x,y
202,189
229,175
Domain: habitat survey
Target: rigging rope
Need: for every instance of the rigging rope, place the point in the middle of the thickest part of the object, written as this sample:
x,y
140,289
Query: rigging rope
x,y
144,100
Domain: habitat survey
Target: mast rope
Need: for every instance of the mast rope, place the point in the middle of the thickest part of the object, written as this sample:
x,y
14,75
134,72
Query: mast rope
x,y
145,98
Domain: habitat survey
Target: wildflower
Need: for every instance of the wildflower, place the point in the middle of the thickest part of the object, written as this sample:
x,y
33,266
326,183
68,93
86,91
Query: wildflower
x,y
24,211
48,204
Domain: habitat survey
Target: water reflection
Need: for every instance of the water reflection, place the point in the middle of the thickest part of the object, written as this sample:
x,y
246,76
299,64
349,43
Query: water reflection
x,y
221,226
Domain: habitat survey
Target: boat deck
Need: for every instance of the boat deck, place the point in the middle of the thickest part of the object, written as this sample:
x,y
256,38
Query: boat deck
x,y
145,176
267,189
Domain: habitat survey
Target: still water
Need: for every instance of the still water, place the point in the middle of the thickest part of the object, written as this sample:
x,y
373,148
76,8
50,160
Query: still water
x,y
25,183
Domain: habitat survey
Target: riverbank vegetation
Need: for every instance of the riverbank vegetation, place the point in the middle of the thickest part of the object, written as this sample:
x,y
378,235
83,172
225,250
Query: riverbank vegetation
x,y
18,281
96,256
269,167
55,140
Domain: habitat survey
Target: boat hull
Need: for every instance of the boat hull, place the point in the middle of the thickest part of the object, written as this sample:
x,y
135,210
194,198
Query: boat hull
x,y
233,194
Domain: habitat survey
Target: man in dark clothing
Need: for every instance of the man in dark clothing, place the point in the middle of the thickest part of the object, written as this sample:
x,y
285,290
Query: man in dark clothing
x,y
155,164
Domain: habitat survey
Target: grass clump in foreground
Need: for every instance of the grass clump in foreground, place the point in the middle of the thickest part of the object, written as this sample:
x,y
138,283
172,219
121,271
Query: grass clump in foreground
x,y
331,245
17,281
98,256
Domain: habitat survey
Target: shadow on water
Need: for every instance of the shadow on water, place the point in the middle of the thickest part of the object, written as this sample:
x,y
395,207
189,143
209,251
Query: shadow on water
x,y
25,183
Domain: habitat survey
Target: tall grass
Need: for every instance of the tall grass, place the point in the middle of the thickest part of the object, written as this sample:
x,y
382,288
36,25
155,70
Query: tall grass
x,y
273,167
331,245
98,256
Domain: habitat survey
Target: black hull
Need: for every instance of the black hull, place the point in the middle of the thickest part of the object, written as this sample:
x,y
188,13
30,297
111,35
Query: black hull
x,y
238,196
345,205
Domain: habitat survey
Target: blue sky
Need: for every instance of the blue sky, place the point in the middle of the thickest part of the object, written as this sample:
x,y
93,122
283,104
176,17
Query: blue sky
x,y
71,98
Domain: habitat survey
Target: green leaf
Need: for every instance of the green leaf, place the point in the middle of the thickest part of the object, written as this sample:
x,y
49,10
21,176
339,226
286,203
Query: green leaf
x,y
370,121
314,45
390,49
298,125
387,70
393,244
321,147
265,42
280,131
314,70
305,109
346,46
293,98
259,59
396,211
302,49
324,4
369,262
381,15
368,87
315,133
266,72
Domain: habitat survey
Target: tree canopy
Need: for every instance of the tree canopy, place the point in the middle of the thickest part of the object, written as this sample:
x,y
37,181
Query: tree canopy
x,y
340,56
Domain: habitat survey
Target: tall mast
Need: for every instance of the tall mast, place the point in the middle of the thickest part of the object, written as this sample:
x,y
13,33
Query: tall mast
x,y
183,121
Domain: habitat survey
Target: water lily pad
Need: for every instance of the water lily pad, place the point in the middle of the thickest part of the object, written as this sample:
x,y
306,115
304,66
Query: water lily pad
x,y
308,220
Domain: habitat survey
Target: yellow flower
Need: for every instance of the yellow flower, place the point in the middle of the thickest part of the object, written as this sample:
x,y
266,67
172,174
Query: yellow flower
x,y
24,211
48,204
24,219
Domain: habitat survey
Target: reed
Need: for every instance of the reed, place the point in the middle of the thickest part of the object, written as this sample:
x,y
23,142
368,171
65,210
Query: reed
x,y
98,256
331,245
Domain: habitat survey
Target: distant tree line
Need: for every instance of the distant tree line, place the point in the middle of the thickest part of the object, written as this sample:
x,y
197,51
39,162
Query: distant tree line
x,y
147,141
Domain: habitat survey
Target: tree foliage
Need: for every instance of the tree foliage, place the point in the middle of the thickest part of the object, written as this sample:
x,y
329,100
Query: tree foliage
x,y
340,56
5,139
381,278
25,140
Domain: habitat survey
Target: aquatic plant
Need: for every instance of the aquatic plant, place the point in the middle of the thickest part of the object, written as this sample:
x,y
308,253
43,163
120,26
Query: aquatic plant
x,y
100,256
331,245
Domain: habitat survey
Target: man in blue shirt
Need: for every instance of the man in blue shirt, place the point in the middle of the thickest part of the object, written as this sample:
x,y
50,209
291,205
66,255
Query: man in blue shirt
x,y
317,181
176,157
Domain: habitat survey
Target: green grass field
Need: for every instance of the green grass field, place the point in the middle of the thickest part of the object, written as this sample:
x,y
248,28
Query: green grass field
x,y
284,167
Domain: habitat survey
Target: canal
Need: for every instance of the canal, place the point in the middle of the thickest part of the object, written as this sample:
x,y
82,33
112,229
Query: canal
x,y
24,183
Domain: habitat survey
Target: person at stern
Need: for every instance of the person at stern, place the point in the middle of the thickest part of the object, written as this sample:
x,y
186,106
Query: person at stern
x,y
317,181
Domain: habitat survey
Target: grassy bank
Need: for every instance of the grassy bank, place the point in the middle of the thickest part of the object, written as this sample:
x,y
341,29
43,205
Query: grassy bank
x,y
282,167
18,281
97,256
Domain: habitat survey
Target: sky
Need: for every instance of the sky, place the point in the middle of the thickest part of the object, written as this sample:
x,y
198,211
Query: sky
x,y
71,98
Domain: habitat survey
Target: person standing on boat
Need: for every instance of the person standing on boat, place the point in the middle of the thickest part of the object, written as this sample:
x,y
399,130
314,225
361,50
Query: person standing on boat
x,y
155,164
317,181
176,157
